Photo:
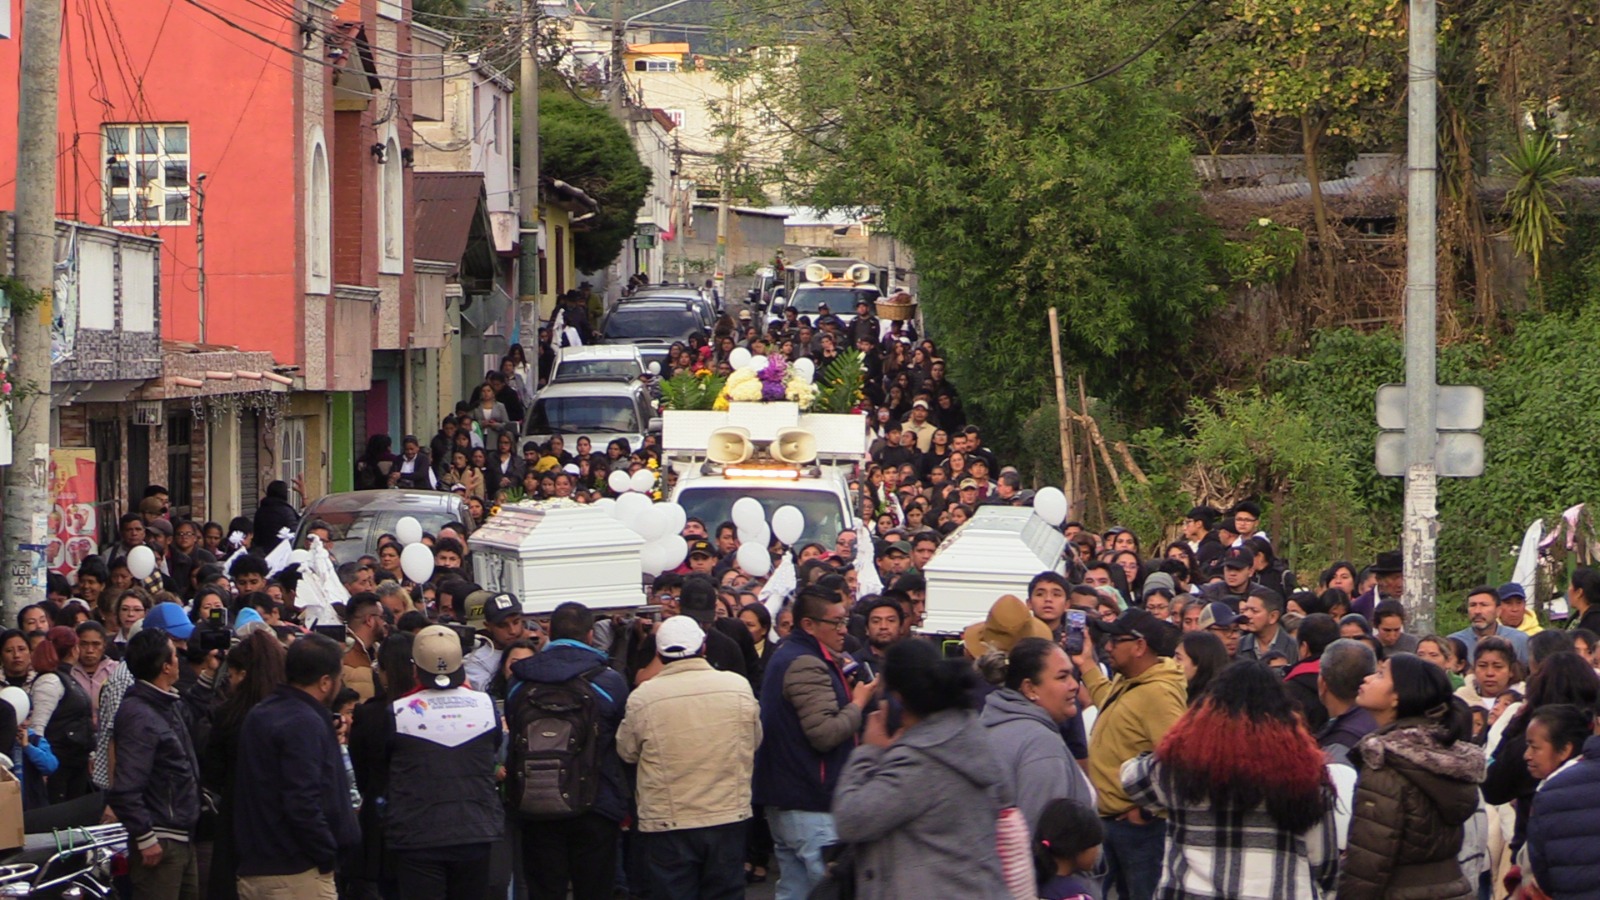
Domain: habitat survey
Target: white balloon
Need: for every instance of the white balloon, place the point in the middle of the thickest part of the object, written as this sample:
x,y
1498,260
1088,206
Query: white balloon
x,y
652,560
1050,505
608,504
788,523
747,512
806,367
739,358
299,557
674,549
18,698
631,508
408,530
757,363
141,562
677,517
620,481
754,560
417,562
644,481
650,524
760,535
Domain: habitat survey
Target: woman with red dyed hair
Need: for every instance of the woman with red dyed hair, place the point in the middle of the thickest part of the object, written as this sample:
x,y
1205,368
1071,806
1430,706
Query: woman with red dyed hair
x,y
1244,787
62,713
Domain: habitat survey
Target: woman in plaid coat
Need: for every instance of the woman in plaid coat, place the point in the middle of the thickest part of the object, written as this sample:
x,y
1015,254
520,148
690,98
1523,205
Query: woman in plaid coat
x,y
1246,794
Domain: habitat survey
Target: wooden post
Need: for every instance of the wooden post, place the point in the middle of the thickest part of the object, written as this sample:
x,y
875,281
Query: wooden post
x,y
1094,473
1062,417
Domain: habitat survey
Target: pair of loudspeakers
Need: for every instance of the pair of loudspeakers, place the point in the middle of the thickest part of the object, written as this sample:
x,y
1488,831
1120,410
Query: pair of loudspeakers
x,y
732,445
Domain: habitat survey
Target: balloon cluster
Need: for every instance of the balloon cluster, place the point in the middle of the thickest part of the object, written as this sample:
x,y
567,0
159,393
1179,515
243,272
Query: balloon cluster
x,y
741,358
755,534
416,558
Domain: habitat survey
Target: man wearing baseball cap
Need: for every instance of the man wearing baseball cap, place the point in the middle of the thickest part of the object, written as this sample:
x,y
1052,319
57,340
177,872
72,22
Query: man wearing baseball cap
x,y
1220,619
702,557
694,807
502,624
1238,564
1136,709
917,423
443,802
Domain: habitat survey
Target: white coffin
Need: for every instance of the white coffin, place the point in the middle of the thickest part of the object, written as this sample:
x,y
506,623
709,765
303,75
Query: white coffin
x,y
549,556
997,552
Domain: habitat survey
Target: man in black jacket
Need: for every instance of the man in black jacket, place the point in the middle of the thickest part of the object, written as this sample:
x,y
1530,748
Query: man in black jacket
x,y
441,770
155,788
1316,632
292,812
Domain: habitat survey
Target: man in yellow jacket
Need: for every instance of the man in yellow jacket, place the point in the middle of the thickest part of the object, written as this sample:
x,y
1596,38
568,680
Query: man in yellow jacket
x,y
1134,711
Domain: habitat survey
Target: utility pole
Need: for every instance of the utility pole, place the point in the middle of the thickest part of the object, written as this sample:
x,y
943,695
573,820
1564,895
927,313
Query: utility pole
x,y
528,168
684,209
27,503
1422,297
617,83
200,248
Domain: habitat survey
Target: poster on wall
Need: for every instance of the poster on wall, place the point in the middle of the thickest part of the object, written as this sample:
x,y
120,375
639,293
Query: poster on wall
x,y
72,514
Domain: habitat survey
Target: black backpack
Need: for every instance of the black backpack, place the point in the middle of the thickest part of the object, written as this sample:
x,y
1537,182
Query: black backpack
x,y
553,770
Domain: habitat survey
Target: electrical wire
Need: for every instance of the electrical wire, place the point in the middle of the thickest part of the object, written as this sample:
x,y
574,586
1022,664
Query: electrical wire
x,y
1149,45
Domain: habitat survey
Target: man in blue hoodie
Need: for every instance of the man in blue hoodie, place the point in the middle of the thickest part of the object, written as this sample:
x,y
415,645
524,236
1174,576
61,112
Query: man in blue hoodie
x,y
580,851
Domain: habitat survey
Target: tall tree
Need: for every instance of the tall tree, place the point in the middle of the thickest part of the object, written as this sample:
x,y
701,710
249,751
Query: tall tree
x,y
1012,196
584,146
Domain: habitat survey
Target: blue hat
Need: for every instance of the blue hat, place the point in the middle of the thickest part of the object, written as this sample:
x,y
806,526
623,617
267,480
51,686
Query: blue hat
x,y
1512,589
171,618
1218,613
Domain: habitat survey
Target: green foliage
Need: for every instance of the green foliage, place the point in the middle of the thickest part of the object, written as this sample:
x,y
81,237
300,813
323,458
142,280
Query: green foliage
x,y
1532,204
1267,257
585,147
1010,199
839,384
687,390
17,296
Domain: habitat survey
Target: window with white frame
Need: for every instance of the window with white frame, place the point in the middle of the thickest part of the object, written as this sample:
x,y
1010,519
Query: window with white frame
x,y
391,209
318,225
146,174
655,65
292,450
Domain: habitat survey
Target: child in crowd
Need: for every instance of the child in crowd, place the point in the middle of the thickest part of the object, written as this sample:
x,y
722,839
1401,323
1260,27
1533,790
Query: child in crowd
x,y
1066,848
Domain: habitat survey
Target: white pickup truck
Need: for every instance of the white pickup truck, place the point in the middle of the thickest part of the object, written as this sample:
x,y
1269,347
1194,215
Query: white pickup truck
x,y
814,477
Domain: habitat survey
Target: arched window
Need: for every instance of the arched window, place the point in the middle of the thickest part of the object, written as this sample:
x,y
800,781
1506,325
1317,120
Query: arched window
x,y
391,216
319,219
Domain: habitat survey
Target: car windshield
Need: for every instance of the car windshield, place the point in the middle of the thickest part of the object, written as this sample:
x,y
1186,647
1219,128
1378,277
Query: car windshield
x,y
663,323
597,368
841,301
713,504
355,534
584,415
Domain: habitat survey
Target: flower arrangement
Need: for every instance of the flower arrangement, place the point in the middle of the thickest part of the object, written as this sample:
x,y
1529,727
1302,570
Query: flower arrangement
x,y
775,380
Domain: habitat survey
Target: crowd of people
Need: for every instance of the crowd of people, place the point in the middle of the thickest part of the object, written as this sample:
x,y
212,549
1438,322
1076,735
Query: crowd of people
x,y
1186,720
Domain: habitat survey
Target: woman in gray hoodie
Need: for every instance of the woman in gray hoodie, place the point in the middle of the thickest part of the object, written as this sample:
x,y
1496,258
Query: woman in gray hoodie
x,y
1023,720
920,804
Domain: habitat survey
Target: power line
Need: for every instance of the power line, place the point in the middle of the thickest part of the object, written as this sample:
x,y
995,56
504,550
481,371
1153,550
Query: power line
x,y
1149,45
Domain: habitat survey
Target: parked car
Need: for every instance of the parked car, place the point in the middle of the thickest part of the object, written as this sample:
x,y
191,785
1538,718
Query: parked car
x,y
654,325
358,518
702,304
598,362
601,410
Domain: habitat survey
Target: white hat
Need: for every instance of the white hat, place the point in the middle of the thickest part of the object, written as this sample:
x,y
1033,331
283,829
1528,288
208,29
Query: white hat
x,y
679,637
571,469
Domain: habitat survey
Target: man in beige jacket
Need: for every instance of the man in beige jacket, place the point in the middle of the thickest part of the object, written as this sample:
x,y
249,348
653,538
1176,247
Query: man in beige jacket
x,y
693,732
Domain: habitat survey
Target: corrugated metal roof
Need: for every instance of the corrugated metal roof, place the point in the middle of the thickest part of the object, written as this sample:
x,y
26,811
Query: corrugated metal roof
x,y
446,205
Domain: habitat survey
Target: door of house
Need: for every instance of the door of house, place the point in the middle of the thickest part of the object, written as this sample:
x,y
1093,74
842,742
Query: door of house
x,y
105,436
249,462
292,454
